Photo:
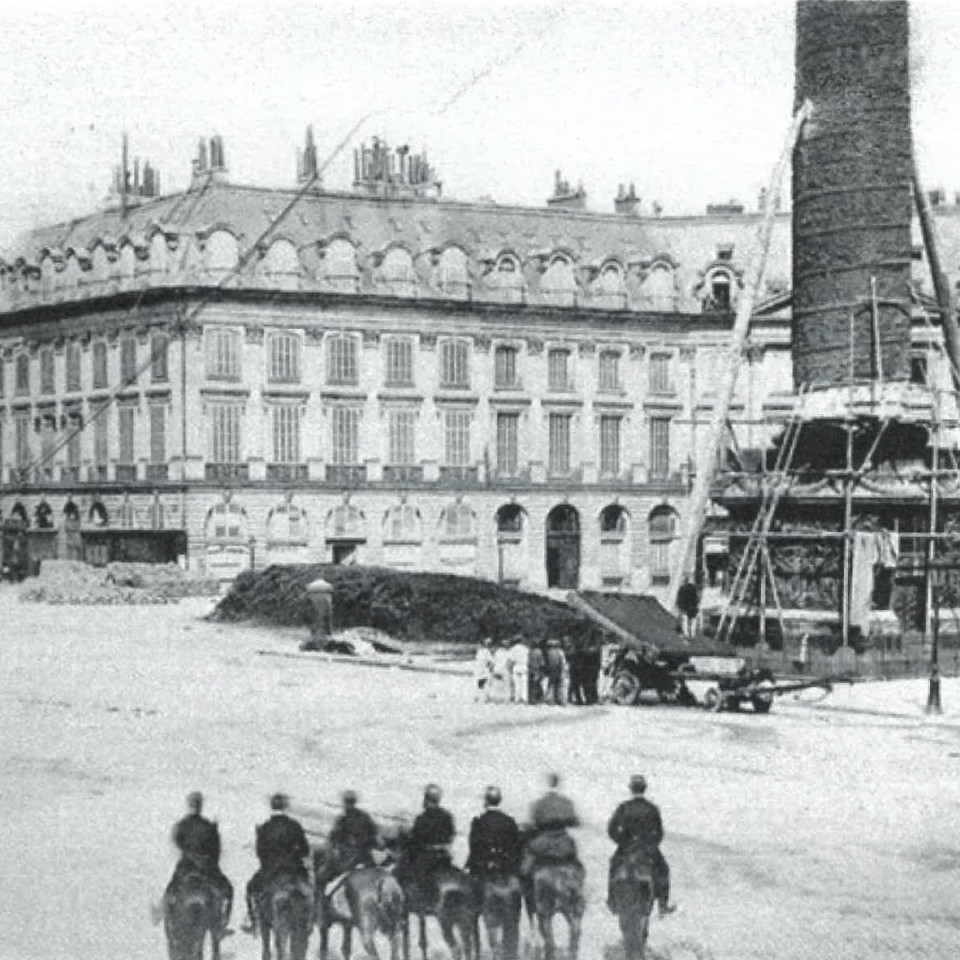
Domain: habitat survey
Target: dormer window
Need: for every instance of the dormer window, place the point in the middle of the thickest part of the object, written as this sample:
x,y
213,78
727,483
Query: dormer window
x,y
718,292
725,252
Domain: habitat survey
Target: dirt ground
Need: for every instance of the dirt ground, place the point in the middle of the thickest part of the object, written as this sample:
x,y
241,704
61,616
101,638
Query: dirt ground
x,y
807,833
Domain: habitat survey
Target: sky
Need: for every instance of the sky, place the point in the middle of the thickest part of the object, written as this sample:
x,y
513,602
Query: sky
x,y
688,100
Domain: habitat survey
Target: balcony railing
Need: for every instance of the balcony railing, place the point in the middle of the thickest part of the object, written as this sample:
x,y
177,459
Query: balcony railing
x,y
405,473
226,471
458,474
286,472
346,475
97,473
21,475
158,471
69,474
126,473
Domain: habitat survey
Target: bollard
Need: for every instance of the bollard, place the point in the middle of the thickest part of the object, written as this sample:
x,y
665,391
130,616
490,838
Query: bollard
x,y
321,599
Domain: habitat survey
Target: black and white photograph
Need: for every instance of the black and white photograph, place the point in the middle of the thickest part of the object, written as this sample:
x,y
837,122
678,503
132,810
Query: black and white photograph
x,y
480,481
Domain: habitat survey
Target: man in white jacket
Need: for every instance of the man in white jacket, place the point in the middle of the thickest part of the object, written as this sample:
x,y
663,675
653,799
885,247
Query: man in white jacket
x,y
519,672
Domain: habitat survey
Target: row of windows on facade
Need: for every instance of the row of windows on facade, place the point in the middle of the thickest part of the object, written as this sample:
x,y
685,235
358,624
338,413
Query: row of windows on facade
x,y
223,362
558,281
225,427
100,378
343,363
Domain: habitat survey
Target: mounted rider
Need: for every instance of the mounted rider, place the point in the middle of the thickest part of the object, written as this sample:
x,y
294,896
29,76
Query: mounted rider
x,y
354,836
495,842
551,816
637,830
198,840
281,848
428,845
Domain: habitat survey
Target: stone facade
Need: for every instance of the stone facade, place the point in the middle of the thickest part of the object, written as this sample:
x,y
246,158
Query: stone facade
x,y
513,393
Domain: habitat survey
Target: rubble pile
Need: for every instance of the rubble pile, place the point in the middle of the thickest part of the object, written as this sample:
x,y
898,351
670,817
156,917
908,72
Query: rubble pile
x,y
76,582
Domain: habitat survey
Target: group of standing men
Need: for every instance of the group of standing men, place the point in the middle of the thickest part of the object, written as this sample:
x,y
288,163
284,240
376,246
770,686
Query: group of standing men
x,y
554,671
496,845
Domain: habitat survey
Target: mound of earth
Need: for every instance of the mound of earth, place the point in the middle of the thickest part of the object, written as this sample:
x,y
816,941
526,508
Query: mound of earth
x,y
434,607
73,581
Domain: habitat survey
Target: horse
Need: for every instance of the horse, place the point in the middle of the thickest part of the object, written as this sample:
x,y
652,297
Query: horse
x,y
632,898
498,899
552,886
286,912
451,902
368,898
191,911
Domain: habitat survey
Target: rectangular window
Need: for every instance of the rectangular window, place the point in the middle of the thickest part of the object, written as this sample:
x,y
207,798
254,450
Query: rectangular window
x,y
159,345
399,363
609,370
558,362
345,436
22,441
454,364
2,376
402,450
125,428
342,365
660,561
661,380
73,367
560,443
610,446
284,358
74,425
505,368
659,448
223,355
225,432
101,454
158,433
508,432
128,360
47,371
48,440
23,375
456,438
99,365
285,432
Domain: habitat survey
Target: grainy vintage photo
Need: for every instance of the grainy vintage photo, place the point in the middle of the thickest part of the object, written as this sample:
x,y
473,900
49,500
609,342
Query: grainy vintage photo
x,y
480,480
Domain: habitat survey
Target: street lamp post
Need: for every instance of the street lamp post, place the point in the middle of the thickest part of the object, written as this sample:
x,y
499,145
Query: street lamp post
x,y
933,694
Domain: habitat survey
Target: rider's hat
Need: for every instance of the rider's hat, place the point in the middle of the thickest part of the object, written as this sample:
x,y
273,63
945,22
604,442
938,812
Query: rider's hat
x,y
492,796
553,780
638,783
195,801
279,801
350,798
432,793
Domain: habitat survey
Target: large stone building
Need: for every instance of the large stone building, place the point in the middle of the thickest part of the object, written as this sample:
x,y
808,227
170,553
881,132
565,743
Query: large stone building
x,y
384,376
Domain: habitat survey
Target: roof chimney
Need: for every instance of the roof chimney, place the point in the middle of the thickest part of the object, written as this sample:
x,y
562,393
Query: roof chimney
x,y
566,198
210,164
307,168
626,202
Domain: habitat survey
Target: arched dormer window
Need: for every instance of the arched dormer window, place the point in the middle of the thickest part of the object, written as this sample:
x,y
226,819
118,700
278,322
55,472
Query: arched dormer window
x,y
608,287
505,281
221,252
396,273
558,285
658,291
452,277
338,265
718,291
282,264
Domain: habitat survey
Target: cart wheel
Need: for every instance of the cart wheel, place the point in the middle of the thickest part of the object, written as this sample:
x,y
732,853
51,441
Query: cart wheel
x,y
625,689
762,704
712,700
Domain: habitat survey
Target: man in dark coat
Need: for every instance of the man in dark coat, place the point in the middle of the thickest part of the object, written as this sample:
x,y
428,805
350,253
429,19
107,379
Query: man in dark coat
x,y
535,674
637,830
354,835
551,816
198,840
553,668
495,843
281,847
428,846
575,657
592,663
